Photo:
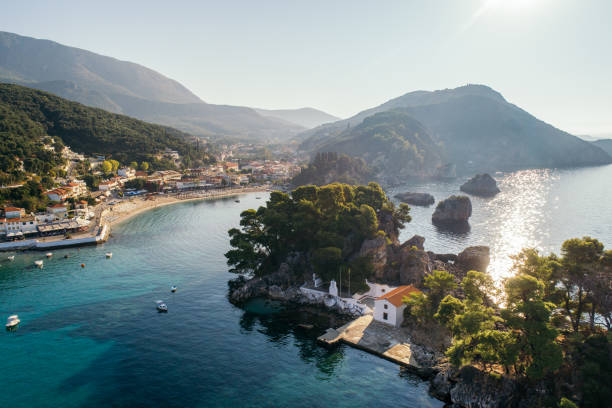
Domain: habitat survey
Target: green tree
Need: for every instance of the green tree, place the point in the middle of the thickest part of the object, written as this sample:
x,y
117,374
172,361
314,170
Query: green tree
x,y
134,165
107,167
115,165
528,315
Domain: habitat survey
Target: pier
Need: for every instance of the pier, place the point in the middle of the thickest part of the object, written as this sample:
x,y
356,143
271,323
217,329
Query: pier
x,y
383,340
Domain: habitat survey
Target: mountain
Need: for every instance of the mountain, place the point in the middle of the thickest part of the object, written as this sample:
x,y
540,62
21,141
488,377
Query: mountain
x,y
330,167
304,117
28,116
604,144
476,130
128,88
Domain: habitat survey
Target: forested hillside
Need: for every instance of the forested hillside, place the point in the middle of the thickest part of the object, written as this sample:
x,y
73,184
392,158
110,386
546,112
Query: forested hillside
x,y
26,115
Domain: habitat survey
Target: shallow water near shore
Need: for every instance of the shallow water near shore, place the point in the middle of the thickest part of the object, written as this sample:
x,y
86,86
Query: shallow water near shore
x,y
91,337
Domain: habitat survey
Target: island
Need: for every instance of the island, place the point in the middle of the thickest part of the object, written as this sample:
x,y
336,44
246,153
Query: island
x,y
422,199
481,185
440,315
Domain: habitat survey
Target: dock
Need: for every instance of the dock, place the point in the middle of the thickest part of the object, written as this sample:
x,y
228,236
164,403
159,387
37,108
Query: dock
x,y
388,342
99,236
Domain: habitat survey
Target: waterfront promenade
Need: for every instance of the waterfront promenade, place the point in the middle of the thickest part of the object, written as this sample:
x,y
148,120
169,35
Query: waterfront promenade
x,y
107,215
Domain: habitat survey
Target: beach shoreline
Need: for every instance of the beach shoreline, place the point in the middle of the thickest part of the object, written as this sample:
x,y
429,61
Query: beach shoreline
x,y
125,210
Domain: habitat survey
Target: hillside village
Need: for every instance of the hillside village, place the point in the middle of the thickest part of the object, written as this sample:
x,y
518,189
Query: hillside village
x,y
86,186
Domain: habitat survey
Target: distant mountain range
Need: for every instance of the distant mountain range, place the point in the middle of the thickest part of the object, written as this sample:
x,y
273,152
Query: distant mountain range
x,y
604,144
131,89
305,117
471,127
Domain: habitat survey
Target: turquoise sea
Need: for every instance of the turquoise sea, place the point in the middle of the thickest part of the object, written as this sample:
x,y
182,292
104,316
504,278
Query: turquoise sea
x,y
91,337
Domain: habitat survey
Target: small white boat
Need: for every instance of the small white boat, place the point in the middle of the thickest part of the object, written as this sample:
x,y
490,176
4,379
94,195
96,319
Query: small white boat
x,y
39,263
173,289
11,258
161,306
109,254
49,254
12,322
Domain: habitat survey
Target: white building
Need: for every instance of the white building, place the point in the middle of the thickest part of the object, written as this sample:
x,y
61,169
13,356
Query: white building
x,y
16,222
107,185
389,307
59,211
127,172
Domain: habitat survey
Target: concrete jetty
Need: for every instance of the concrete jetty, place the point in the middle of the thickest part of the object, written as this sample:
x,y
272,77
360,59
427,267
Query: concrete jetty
x,y
101,236
383,340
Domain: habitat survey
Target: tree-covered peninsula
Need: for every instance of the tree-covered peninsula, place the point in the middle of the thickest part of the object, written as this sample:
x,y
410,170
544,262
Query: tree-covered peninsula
x,y
539,338
323,226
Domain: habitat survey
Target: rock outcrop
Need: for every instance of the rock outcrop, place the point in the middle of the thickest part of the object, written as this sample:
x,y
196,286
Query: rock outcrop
x,y
452,211
376,250
423,199
414,265
475,258
416,241
277,285
481,185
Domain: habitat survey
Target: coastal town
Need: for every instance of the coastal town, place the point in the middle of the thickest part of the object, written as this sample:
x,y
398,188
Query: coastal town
x,y
94,192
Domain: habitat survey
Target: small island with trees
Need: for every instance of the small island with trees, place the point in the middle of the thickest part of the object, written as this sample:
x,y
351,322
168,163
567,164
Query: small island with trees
x,y
539,338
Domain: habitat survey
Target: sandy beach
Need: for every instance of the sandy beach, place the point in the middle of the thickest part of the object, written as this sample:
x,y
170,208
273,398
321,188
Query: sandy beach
x,y
131,207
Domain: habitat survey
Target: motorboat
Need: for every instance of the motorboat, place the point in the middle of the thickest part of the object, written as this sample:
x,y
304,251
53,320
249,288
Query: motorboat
x,y
49,254
161,306
12,322
109,254
39,263
258,198
11,258
173,289
236,201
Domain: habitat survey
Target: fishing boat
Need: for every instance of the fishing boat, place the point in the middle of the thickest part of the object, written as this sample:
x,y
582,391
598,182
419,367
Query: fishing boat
x,y
12,322
49,254
11,258
173,289
161,306
109,254
39,263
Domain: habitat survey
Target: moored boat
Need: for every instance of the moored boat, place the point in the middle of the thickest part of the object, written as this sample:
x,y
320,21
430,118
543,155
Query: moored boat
x,y
109,254
173,289
11,258
161,306
12,322
39,263
49,254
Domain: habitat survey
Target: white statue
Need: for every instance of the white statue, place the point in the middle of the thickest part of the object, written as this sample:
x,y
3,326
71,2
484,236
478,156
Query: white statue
x,y
333,289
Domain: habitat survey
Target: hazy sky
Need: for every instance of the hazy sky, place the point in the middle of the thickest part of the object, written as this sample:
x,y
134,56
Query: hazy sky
x,y
550,57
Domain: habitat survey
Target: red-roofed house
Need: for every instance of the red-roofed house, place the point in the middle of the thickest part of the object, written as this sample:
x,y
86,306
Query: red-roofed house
x,y
389,307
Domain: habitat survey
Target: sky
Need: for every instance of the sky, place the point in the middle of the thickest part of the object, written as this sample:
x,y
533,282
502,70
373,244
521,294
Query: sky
x,y
552,58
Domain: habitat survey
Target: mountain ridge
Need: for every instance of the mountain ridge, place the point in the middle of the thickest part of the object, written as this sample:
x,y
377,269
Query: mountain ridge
x,y
124,87
478,131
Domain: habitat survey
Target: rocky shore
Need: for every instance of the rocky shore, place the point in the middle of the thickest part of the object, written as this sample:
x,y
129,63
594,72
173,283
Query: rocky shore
x,y
399,264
